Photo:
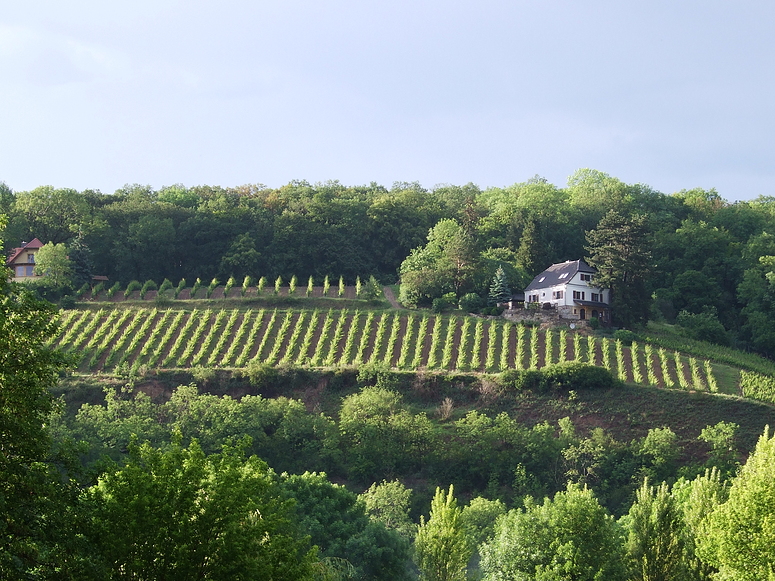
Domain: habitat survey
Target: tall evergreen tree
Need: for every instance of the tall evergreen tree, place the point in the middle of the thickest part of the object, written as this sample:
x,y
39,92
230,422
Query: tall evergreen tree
x,y
499,289
619,250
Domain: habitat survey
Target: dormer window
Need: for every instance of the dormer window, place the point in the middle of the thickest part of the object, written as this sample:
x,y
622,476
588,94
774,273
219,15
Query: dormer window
x,y
586,277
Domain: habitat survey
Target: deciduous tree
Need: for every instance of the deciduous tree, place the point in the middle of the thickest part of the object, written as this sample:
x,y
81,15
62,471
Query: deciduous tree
x,y
442,548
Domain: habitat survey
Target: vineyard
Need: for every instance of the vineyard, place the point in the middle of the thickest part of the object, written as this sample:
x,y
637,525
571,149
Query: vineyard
x,y
124,341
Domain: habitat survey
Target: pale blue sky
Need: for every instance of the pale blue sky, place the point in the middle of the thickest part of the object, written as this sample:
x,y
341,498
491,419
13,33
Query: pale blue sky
x,y
672,94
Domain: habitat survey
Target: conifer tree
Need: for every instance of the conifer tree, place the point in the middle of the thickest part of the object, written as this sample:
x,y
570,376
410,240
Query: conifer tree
x,y
499,289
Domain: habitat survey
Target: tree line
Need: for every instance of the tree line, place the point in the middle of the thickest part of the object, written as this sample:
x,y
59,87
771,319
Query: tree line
x,y
690,257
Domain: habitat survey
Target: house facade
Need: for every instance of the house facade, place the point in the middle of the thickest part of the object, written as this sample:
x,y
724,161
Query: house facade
x,y
567,287
21,261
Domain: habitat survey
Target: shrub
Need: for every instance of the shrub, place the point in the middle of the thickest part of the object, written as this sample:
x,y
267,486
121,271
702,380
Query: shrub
x,y
67,302
261,375
278,283
196,287
83,290
261,284
113,290
132,287
179,288
471,303
373,289
165,285
594,322
97,290
530,379
704,326
575,375
625,336
246,282
211,287
229,285
439,305
162,300
148,285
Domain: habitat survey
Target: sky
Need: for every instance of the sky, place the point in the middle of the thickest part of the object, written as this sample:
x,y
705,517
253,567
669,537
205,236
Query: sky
x,y
676,95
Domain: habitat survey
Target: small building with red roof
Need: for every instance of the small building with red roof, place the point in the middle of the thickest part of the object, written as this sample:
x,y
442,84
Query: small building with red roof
x,y
21,261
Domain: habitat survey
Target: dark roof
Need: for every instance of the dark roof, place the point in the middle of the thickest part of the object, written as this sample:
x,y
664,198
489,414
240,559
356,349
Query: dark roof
x,y
33,244
559,274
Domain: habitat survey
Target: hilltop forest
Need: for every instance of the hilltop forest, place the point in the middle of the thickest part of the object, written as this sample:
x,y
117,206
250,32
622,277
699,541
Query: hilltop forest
x,y
269,415
697,259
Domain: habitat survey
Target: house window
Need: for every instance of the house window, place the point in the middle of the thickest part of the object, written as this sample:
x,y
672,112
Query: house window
x,y
31,258
578,295
596,297
542,279
532,299
19,271
557,294
28,270
586,277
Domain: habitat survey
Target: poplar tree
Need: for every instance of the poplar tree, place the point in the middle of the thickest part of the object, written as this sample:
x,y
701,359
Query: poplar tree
x,y
654,535
739,537
441,547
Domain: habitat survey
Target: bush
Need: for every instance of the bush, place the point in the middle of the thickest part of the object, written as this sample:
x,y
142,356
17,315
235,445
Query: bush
x,y
625,336
97,290
576,375
196,287
67,302
112,290
180,287
261,375
162,300
211,288
165,285
132,287
149,285
594,322
439,305
471,303
704,326
529,379
562,376
83,290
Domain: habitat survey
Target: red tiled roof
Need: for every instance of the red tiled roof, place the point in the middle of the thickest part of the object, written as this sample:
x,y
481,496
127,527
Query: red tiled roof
x,y
33,244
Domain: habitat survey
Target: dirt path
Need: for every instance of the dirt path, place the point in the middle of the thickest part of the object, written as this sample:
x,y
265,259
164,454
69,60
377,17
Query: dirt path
x,y
391,297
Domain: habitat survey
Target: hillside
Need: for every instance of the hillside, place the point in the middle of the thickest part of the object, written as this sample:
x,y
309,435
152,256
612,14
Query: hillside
x,y
130,338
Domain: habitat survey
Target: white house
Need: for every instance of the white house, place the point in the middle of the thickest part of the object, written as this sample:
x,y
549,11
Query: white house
x,y
567,287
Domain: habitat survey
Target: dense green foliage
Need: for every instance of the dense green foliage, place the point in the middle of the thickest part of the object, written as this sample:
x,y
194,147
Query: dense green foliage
x,y
712,261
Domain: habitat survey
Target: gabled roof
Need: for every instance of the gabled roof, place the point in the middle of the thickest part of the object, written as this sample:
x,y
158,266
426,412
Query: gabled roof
x,y
33,244
559,274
